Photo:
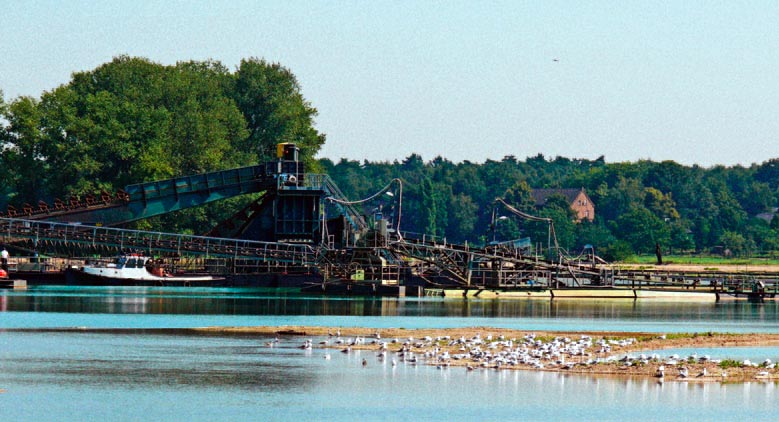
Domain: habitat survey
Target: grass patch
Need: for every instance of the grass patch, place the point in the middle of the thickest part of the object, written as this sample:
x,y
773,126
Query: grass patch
x,y
729,363
709,260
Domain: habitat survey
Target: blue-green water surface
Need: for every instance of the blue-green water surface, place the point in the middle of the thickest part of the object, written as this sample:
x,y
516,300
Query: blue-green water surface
x,y
51,373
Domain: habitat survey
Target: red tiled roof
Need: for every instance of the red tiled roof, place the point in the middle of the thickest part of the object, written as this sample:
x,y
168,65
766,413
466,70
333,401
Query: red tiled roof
x,y
540,196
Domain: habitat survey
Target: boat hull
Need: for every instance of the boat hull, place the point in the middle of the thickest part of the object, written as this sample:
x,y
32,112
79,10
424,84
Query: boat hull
x,y
78,277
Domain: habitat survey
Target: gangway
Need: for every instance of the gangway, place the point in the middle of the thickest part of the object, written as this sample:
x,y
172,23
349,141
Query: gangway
x,y
145,200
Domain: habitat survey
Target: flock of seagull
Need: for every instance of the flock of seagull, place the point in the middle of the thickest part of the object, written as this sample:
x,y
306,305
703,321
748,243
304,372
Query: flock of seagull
x,y
684,373
526,352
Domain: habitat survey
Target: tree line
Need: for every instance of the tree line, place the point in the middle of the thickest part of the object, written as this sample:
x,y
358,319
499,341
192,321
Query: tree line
x,y
132,120
638,205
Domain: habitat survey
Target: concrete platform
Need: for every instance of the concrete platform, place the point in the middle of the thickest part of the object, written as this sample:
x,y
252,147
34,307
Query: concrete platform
x,y
582,293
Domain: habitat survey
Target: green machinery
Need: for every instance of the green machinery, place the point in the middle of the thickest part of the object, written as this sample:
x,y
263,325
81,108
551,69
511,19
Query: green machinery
x,y
290,207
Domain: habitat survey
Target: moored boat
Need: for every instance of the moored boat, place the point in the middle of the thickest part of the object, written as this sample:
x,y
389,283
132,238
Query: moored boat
x,y
134,270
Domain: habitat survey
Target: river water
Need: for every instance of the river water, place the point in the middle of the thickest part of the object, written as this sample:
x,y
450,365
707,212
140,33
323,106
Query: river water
x,y
139,366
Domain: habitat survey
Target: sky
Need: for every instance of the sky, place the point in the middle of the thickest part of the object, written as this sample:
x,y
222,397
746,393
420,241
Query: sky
x,y
696,82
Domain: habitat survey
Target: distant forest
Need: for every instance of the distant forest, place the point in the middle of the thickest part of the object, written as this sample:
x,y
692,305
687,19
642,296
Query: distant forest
x,y
637,205
132,120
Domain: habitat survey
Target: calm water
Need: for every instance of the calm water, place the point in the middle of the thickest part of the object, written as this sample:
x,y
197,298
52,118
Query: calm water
x,y
143,307
141,374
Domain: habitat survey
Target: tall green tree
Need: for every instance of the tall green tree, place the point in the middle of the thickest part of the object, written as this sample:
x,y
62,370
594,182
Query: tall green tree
x,y
132,120
660,204
24,165
429,208
275,111
462,218
735,243
642,230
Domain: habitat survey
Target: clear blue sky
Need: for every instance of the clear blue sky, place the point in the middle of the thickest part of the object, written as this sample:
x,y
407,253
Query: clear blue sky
x,y
694,82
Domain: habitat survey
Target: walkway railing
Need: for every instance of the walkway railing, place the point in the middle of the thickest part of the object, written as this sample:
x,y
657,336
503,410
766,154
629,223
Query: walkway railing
x,y
39,232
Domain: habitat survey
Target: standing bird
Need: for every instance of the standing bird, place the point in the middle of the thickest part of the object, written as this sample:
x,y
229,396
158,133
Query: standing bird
x,y
660,371
683,372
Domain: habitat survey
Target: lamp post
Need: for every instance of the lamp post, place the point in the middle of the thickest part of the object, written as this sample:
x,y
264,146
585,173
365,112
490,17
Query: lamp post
x,y
495,226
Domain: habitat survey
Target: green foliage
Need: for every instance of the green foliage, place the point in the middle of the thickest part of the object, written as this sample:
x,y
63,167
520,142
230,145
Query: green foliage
x,y
730,363
660,204
131,120
520,196
564,226
681,236
275,111
23,164
462,217
736,243
637,205
434,217
642,229
618,250
768,172
595,233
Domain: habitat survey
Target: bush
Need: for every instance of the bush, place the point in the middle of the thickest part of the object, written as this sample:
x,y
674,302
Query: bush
x,y
617,251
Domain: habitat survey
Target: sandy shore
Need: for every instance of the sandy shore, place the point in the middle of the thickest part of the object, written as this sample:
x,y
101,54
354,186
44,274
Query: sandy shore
x,y
434,347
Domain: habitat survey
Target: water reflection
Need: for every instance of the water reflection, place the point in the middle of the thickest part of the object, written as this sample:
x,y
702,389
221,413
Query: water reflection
x,y
143,300
136,361
141,307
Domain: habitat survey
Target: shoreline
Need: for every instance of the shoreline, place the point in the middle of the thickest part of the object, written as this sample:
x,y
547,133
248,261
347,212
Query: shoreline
x,y
596,353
